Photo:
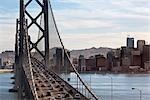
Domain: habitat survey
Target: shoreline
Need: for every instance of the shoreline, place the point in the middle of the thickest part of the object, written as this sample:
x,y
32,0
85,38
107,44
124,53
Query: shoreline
x,y
6,71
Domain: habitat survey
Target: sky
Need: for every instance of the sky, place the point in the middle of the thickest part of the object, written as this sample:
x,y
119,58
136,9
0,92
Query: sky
x,y
86,23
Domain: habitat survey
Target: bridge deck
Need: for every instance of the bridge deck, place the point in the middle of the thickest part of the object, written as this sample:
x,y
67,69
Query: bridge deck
x,y
50,86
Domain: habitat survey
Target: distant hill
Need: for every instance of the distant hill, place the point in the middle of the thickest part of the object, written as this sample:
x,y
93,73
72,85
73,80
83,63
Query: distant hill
x,y
90,52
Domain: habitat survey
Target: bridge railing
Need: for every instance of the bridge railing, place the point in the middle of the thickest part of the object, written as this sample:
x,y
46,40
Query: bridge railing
x,y
27,66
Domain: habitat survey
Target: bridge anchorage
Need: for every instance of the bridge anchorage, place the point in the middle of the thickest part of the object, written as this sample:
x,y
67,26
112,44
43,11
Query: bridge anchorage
x,y
42,64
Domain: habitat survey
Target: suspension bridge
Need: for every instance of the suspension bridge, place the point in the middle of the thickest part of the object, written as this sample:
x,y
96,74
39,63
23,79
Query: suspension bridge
x,y
41,60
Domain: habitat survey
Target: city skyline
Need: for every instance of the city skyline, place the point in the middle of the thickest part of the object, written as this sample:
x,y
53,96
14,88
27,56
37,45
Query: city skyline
x,y
86,24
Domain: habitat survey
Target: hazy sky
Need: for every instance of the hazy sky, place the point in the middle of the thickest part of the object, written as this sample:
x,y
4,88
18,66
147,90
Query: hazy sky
x,y
86,23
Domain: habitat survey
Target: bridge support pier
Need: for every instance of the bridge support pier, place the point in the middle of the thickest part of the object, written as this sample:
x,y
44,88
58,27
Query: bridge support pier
x,y
16,64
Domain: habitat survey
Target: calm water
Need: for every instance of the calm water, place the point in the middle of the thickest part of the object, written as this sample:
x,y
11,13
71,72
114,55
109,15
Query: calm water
x,y
5,85
122,85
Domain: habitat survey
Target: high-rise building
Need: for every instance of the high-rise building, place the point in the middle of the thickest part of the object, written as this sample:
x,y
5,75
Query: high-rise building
x,y
130,42
136,58
110,60
61,62
82,66
75,62
101,63
125,51
146,53
140,44
90,64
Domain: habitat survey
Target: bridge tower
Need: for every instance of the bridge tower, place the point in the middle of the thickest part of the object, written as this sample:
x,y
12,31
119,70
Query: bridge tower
x,y
45,31
22,30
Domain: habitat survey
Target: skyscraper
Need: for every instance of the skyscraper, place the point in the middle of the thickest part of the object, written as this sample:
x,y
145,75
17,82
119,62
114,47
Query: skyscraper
x,y
130,42
146,53
140,45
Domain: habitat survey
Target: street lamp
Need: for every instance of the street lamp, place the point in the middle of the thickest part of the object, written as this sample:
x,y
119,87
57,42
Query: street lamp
x,y
111,87
139,91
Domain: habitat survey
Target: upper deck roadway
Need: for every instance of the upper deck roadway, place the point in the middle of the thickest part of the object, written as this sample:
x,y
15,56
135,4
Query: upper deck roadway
x,y
50,86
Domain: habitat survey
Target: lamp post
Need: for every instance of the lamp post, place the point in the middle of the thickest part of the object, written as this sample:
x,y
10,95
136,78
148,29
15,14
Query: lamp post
x,y
111,87
139,91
